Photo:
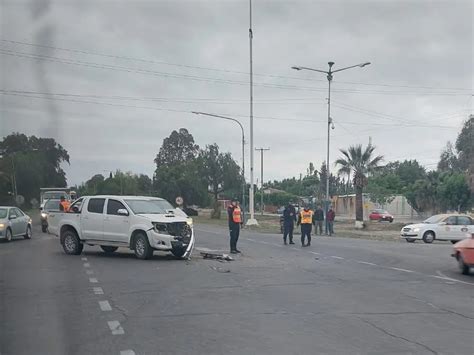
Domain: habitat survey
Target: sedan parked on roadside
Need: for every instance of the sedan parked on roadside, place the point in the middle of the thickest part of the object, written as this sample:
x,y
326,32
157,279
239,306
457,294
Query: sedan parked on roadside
x,y
14,223
452,227
380,215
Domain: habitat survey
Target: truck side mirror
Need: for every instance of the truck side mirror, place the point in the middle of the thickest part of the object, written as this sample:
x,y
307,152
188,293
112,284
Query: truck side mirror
x,y
122,212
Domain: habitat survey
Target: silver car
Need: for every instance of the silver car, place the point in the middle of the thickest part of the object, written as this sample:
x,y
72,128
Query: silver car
x,y
14,223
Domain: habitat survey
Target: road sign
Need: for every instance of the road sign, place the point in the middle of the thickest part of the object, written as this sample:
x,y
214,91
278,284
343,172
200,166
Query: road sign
x,y
179,200
20,200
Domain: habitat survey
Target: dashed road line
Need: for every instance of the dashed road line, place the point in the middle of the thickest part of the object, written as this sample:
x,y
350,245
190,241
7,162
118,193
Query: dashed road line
x,y
93,280
365,263
399,269
313,252
105,306
98,290
87,265
337,257
84,259
127,352
115,327
89,272
446,278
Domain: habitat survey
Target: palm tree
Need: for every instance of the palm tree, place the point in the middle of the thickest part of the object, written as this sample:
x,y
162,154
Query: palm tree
x,y
360,162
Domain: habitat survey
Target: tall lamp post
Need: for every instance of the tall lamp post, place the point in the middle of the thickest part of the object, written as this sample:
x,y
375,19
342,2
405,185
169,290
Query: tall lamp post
x,y
329,76
243,148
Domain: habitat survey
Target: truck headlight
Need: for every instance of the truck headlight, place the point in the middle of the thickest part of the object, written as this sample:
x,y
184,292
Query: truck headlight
x,y
2,226
189,221
43,215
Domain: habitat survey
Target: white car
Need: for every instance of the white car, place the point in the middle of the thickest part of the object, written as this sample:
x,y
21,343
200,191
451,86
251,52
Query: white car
x,y
452,227
14,223
142,224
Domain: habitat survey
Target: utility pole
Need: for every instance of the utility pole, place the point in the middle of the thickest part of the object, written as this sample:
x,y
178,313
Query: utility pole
x,y
261,177
252,220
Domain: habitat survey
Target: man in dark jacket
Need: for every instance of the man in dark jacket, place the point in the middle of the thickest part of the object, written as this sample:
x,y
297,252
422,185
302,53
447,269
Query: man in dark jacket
x,y
330,216
235,220
289,219
319,219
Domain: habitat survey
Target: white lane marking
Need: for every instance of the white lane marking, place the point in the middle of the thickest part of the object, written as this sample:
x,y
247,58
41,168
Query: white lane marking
x,y
252,240
446,278
87,265
313,252
337,257
93,280
277,245
105,306
127,352
365,263
115,327
98,290
89,272
398,269
294,248
84,259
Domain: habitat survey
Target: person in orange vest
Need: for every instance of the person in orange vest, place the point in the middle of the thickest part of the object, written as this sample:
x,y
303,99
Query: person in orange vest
x,y
306,219
234,214
64,204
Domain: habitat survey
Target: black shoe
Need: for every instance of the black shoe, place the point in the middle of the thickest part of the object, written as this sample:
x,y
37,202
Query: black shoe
x,y
308,245
284,242
292,242
233,252
238,251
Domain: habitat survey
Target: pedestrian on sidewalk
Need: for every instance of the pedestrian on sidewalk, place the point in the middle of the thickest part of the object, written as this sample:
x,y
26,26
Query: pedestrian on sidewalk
x,y
319,219
306,219
234,215
330,216
289,219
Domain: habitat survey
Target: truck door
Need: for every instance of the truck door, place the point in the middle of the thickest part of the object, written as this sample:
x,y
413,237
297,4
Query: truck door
x,y
92,221
116,222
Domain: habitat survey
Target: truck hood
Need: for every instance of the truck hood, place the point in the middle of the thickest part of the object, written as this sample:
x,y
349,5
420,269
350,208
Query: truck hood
x,y
163,218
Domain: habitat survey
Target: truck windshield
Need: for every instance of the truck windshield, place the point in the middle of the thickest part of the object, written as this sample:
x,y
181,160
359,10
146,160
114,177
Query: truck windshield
x,y
56,195
3,212
149,206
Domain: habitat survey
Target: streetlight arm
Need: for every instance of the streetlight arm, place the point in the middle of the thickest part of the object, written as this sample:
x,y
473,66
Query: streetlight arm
x,y
306,68
361,65
219,116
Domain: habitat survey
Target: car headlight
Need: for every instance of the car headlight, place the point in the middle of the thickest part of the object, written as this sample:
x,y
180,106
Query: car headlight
x,y
43,215
416,230
189,221
2,225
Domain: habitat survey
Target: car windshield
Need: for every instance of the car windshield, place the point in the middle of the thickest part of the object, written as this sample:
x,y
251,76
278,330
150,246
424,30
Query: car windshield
x,y
3,212
151,206
434,219
51,205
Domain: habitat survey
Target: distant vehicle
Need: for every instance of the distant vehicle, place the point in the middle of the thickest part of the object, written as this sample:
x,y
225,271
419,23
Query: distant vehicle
x,y
143,224
14,223
380,215
50,207
53,194
452,227
190,211
464,254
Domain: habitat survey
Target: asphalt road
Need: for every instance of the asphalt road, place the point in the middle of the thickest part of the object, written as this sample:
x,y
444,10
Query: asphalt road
x,y
340,296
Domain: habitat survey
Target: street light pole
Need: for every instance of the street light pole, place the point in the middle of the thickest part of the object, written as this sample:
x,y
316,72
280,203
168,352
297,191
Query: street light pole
x,y
261,177
252,220
329,74
243,149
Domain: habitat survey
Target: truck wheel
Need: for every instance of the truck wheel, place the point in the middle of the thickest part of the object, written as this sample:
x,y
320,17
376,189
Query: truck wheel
x,y
411,240
428,237
142,248
44,228
71,243
28,233
8,235
462,266
108,249
178,252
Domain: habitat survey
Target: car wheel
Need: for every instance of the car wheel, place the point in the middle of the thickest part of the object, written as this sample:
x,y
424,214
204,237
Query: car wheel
x,y
8,235
428,237
454,241
178,252
71,243
410,240
28,232
391,220
462,266
108,249
142,248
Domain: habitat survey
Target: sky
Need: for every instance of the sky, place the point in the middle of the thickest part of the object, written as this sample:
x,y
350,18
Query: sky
x,y
109,80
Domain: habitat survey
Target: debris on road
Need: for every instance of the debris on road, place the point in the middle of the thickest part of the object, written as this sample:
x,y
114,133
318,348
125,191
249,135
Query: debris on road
x,y
219,269
216,256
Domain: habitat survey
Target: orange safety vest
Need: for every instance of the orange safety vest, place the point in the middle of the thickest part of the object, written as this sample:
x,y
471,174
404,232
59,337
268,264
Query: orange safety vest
x,y
65,205
236,215
306,217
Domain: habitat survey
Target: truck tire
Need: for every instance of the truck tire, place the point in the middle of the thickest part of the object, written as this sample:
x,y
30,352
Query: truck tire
x,y
178,252
142,247
71,243
108,249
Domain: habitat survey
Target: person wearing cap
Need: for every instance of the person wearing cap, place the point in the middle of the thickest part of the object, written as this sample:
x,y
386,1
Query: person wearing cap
x,y
306,220
289,219
234,214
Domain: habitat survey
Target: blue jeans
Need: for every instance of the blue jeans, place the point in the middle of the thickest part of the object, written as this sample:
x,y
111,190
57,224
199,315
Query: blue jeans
x,y
331,227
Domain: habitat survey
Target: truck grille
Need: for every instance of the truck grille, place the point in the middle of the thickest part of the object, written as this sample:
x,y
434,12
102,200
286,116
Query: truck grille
x,y
180,230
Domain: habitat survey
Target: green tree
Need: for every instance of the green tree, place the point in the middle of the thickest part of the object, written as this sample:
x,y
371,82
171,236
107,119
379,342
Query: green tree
x,y
382,187
453,192
448,160
360,162
465,145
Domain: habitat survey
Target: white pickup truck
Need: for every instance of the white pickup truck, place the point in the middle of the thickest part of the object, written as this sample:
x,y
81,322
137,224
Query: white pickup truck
x,y
143,224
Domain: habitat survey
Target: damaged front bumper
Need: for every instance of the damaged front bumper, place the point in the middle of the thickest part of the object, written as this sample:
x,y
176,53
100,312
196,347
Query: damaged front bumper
x,y
167,242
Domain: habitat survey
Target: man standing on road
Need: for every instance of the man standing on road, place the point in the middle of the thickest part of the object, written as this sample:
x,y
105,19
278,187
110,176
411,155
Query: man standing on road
x,y
306,219
319,219
235,220
330,216
289,219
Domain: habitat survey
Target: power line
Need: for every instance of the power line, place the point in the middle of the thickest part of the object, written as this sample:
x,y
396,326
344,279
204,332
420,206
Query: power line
x,y
208,79
149,61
